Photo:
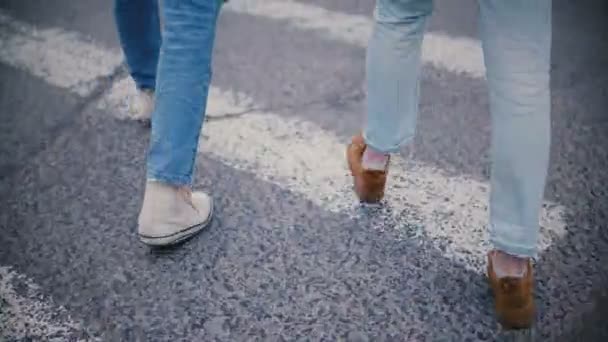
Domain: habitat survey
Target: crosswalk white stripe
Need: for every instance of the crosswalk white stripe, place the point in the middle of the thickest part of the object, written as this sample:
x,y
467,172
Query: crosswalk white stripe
x,y
454,54
63,59
309,160
26,314
306,159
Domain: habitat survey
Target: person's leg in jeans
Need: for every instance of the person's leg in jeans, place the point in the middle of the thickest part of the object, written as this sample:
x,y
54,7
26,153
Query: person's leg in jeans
x,y
138,24
393,68
516,37
171,212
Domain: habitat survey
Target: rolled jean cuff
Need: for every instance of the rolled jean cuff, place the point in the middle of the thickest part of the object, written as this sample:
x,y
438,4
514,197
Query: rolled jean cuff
x,y
385,148
173,180
510,239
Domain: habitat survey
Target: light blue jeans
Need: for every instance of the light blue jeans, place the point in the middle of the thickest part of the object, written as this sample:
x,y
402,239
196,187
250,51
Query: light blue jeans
x,y
179,70
516,38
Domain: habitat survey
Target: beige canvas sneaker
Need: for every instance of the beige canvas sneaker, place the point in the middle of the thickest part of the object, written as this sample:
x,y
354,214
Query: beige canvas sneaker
x,y
142,105
170,215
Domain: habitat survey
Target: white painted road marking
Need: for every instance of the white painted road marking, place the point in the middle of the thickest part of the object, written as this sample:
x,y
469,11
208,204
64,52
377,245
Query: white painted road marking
x,y
309,160
221,103
63,59
454,54
26,314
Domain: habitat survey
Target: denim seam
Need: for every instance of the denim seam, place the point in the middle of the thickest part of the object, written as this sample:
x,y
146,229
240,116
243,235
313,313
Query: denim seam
x,y
395,149
169,179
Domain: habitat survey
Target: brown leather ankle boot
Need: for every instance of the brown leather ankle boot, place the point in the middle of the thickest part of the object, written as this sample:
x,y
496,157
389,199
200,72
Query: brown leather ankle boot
x,y
513,297
369,184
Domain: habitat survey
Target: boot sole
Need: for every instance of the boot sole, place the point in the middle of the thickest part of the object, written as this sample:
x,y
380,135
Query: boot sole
x,y
180,236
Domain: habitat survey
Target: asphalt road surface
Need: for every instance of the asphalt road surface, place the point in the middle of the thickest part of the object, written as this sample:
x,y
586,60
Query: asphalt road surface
x,y
290,255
